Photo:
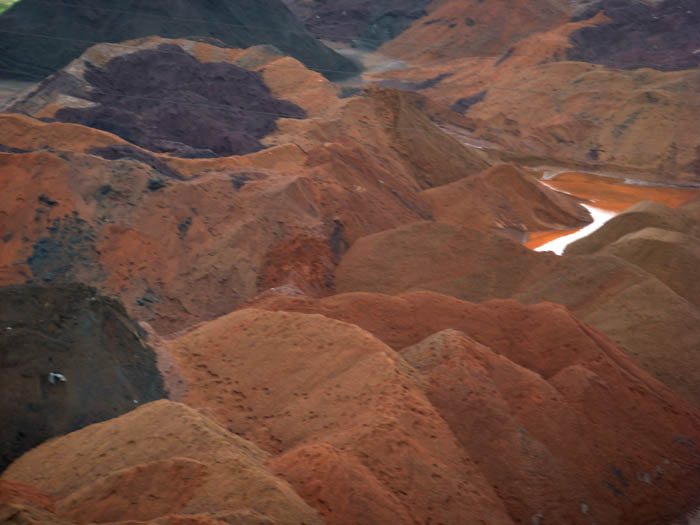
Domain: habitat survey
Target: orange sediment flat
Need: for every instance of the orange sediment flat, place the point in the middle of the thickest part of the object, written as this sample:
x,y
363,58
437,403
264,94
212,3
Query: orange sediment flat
x,y
614,194
609,194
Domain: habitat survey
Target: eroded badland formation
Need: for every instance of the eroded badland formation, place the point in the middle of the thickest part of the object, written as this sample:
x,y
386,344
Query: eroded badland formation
x,y
274,264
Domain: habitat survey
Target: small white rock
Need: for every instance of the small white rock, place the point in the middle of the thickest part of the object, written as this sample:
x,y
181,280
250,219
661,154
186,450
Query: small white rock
x,y
55,377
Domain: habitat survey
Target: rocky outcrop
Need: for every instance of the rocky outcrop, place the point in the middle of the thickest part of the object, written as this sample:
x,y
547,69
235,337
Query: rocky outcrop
x,y
38,39
68,358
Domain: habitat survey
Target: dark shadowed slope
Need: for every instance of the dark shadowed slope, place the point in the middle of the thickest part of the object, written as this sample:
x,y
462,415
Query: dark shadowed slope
x,y
38,37
164,98
664,37
90,341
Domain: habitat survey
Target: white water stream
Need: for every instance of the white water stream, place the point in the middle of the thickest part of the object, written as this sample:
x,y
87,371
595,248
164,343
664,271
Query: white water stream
x,y
558,245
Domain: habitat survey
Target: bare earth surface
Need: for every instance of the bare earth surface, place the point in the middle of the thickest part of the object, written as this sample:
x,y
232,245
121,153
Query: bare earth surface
x,y
330,281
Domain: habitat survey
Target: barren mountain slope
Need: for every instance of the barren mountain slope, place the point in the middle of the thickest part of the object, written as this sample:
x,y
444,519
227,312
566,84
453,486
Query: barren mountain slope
x,y
38,38
181,240
347,415
162,460
68,358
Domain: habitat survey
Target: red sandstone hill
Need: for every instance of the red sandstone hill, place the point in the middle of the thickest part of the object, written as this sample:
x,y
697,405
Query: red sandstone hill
x,y
180,240
505,197
454,29
362,407
642,314
663,241
503,417
524,391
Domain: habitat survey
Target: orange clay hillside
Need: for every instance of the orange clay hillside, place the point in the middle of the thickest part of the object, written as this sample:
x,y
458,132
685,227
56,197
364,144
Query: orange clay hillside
x,y
162,463
522,399
531,89
637,309
356,429
454,29
182,239
235,292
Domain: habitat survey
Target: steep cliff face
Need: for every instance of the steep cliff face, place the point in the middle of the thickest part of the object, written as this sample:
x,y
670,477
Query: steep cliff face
x,y
38,37
68,358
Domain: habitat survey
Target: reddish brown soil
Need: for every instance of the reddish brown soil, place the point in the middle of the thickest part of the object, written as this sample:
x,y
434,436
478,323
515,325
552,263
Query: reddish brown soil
x,y
310,405
661,240
649,214
460,28
339,486
332,397
17,492
161,459
520,93
614,296
331,382
185,240
504,197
